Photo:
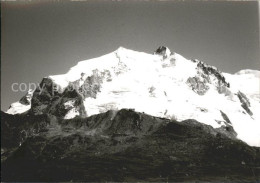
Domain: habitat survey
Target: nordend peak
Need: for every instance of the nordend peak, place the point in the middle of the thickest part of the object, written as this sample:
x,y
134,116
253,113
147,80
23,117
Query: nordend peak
x,y
163,84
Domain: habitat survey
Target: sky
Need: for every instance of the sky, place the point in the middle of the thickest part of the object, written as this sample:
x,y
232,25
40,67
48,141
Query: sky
x,y
42,38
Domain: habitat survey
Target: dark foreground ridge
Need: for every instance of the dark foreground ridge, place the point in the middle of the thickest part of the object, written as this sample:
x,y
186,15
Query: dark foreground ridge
x,y
122,146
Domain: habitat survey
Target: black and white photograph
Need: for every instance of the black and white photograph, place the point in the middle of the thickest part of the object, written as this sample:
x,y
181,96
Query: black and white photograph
x,y
130,91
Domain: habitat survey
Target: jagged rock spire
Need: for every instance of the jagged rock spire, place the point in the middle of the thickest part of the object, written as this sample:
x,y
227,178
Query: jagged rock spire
x,y
164,51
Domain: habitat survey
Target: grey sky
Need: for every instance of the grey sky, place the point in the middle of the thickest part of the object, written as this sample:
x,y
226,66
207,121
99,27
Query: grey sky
x,y
46,38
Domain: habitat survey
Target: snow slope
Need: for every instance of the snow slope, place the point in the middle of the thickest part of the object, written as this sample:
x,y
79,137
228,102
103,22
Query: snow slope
x,y
21,106
166,84
247,81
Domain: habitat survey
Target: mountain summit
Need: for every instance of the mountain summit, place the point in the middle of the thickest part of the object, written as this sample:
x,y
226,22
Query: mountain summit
x,y
163,84
130,116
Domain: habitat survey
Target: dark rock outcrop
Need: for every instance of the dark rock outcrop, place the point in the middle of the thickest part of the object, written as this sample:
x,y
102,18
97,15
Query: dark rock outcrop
x,y
47,100
206,75
92,85
59,108
43,96
245,103
220,82
162,50
198,85
26,100
207,69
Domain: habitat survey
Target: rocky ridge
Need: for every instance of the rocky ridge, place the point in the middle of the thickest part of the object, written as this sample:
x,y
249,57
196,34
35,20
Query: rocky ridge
x,y
122,146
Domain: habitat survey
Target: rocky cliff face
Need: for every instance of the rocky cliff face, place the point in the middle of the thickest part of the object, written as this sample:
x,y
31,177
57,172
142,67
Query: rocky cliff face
x,y
206,76
48,100
245,103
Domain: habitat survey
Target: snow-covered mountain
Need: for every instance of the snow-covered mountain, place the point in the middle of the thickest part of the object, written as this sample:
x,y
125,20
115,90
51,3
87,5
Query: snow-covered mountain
x,y
163,84
21,106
